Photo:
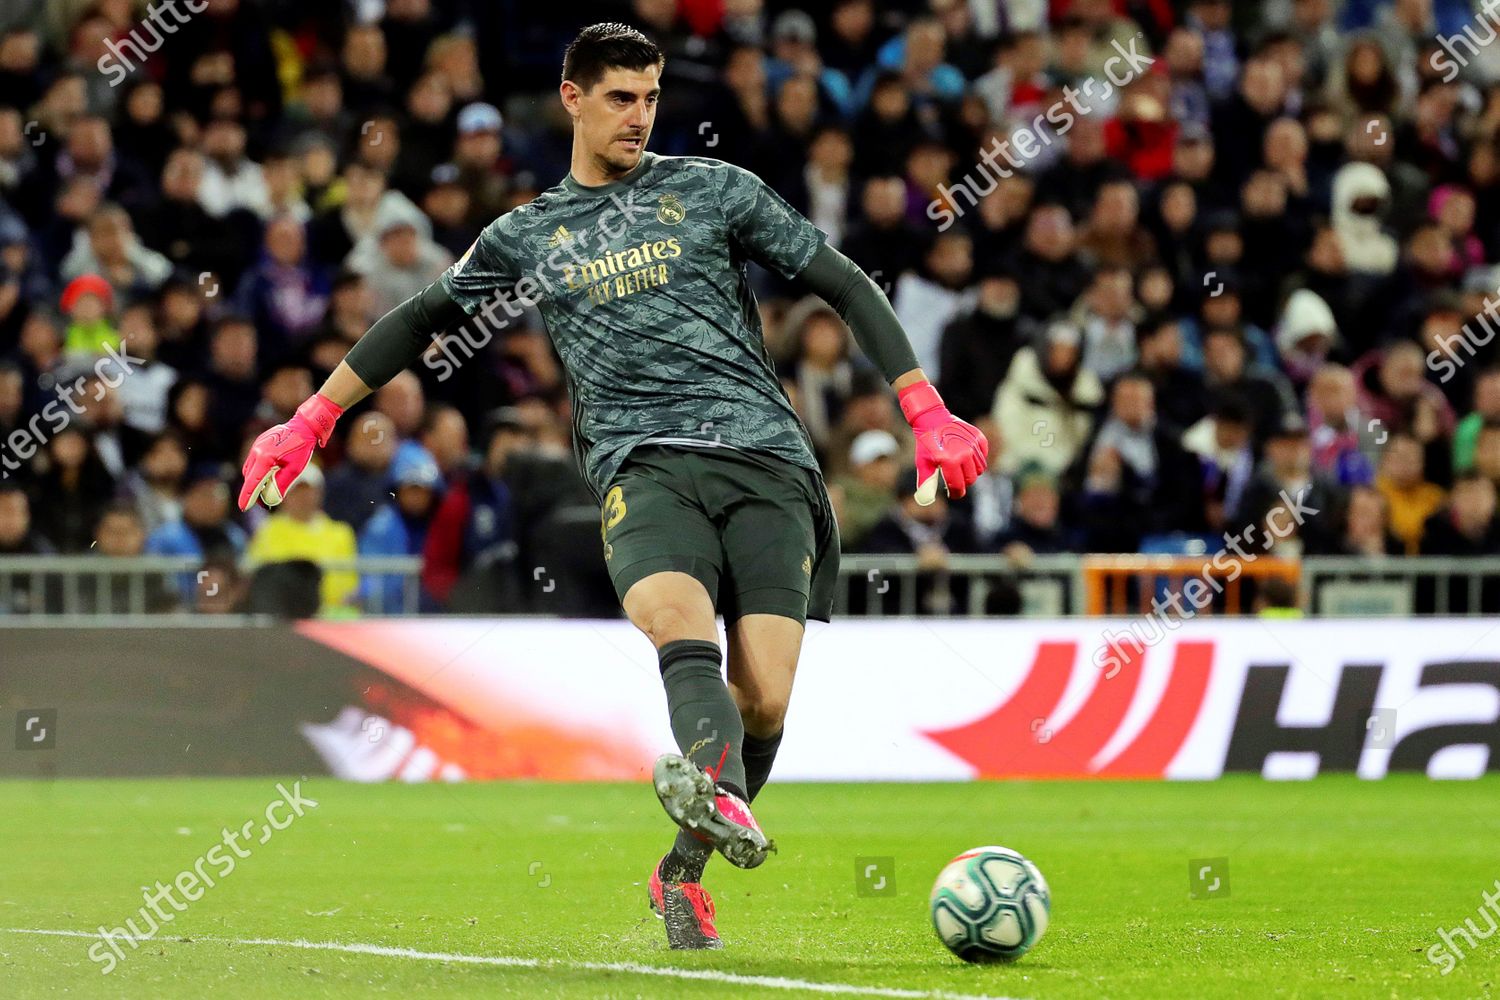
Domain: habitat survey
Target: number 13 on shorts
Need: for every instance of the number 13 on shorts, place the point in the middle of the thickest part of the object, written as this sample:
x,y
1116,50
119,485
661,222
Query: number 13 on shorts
x,y
611,514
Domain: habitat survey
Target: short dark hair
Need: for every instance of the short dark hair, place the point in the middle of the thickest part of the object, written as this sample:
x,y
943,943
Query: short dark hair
x,y
602,47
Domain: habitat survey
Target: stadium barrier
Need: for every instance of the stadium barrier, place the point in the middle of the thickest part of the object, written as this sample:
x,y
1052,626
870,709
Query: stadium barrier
x,y
914,699
878,585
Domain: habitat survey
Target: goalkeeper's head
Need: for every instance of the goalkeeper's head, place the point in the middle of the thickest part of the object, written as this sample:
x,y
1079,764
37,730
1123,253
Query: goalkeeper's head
x,y
610,83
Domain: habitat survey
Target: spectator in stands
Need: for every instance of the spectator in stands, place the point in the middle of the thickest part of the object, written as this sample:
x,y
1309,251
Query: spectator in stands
x,y
12,415
154,487
18,536
1035,526
829,183
1114,237
1224,443
1467,526
1410,498
1345,442
884,244
472,537
220,588
1394,390
180,228
1180,398
1049,272
103,416
183,324
1222,308
868,408
286,293
144,387
399,258
346,222
361,482
978,347
478,153
39,356
869,488
1225,370
446,203
402,400
351,310
88,303
1486,412
204,530
108,246
231,180
77,487
26,593
299,530
820,363
426,134
1361,194
232,376
1044,408
1107,315
1487,453
1305,336
930,533
928,299
1286,480
1365,531
445,435
1139,479
399,528
121,535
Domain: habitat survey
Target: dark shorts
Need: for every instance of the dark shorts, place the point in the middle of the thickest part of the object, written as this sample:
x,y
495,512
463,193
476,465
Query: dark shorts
x,y
756,530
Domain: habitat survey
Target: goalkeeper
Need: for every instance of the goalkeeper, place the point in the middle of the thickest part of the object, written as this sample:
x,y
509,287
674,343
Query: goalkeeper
x,y
711,501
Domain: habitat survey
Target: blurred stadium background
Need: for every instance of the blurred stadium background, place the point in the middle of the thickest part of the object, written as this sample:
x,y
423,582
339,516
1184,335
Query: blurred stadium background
x,y
1229,331
1226,324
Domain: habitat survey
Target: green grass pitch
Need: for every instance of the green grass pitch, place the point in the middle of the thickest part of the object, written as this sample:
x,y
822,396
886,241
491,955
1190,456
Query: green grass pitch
x,y
1336,887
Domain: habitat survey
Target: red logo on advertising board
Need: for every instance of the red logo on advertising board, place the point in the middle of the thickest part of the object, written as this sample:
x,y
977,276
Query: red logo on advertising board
x,y
1010,743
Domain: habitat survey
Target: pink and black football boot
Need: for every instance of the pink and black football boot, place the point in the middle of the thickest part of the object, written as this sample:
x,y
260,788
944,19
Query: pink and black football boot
x,y
716,817
688,912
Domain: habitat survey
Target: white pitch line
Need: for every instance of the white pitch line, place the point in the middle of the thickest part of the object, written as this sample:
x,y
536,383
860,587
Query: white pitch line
x,y
507,961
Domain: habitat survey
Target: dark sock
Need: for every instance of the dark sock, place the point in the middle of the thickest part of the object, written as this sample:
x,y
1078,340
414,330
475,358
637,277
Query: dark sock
x,y
705,720
685,861
759,753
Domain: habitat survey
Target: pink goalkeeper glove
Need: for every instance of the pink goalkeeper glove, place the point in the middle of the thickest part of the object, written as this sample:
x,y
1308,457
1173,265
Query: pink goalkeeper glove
x,y
280,454
945,444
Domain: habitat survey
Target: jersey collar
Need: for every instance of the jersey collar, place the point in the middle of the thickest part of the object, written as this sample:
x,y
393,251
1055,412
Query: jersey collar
x,y
625,180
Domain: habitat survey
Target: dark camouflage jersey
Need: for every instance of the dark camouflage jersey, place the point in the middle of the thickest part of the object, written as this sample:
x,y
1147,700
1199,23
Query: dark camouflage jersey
x,y
643,288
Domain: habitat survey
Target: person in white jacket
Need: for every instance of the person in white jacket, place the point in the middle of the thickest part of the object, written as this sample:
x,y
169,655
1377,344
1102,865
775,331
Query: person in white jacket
x,y
1045,406
1361,195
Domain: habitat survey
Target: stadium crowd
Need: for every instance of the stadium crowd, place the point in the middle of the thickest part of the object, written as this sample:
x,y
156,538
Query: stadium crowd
x,y
1259,268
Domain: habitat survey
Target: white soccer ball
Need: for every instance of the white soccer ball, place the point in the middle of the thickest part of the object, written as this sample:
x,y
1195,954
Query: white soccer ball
x,y
990,904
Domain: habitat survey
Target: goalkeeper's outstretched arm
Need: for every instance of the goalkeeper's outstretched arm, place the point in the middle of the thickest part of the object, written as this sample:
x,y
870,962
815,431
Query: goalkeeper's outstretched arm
x,y
945,443
393,344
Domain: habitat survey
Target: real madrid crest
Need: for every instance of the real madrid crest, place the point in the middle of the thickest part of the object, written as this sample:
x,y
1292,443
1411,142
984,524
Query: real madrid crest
x,y
669,210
